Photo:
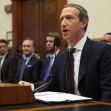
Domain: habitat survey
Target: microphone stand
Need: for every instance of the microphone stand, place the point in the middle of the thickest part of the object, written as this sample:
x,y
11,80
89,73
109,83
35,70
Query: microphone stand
x,y
42,87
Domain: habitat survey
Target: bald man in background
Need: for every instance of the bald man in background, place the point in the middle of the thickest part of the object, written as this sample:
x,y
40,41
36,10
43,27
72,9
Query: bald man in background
x,y
107,38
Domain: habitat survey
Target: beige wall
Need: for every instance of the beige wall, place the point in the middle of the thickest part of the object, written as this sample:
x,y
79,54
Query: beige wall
x,y
5,19
99,13
100,16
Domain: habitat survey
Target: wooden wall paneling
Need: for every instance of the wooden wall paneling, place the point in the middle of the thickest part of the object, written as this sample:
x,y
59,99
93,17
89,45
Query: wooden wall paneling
x,y
16,27
34,19
30,21
60,6
41,40
48,20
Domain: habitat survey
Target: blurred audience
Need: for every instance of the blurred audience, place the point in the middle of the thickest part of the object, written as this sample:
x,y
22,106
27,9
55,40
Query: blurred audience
x,y
53,43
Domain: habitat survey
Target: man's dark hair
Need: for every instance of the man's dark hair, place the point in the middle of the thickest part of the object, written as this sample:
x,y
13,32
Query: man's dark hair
x,y
83,12
56,37
109,33
3,41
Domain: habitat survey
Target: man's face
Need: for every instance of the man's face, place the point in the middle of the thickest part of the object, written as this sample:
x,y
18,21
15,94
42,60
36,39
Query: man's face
x,y
71,26
107,39
3,48
27,47
50,43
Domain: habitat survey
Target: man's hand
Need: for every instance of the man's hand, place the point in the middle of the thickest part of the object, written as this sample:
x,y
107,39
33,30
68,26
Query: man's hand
x,y
24,83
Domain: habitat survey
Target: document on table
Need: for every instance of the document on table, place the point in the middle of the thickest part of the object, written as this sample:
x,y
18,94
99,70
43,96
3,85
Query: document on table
x,y
56,97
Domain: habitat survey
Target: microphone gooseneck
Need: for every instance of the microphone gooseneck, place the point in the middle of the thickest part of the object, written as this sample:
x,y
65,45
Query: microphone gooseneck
x,y
43,86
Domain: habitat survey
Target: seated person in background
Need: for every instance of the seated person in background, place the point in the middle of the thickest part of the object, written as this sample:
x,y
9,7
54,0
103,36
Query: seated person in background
x,y
7,63
53,43
107,38
29,67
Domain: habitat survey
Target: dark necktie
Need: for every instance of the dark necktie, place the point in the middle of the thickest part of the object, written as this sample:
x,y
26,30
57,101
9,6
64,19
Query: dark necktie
x,y
48,67
70,72
22,68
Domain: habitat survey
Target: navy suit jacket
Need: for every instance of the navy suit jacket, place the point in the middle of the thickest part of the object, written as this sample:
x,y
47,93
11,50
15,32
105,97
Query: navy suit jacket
x,y
31,71
94,72
42,75
9,68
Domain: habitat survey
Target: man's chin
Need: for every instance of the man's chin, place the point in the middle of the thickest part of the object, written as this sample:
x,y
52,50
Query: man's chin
x,y
50,51
27,55
65,38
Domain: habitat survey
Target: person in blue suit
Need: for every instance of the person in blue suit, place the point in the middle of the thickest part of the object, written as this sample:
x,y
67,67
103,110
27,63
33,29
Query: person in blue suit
x,y
29,67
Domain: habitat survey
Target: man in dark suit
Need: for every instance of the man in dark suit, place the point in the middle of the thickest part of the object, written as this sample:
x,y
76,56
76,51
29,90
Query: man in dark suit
x,y
7,63
92,60
53,43
29,67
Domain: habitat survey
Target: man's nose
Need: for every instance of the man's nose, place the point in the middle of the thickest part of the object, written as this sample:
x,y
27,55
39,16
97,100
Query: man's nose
x,y
63,22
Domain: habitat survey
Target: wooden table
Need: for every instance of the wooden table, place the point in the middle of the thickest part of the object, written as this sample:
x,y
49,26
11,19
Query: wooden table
x,y
75,106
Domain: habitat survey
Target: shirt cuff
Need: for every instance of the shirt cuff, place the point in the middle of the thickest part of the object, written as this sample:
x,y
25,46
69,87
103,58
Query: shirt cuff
x,y
32,86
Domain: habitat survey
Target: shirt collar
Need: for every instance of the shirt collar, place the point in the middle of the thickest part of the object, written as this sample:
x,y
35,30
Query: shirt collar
x,y
80,44
4,55
29,57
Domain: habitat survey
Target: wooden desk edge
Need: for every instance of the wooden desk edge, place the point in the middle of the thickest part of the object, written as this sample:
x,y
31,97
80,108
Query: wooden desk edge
x,y
90,103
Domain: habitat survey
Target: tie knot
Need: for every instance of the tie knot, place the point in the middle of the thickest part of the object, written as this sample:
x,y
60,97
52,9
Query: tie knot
x,y
71,50
50,57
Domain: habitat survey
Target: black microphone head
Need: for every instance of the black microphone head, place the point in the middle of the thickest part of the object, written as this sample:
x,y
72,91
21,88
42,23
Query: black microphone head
x,y
57,42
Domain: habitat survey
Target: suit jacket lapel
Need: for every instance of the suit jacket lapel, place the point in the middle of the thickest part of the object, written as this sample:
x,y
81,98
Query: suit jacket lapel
x,y
85,58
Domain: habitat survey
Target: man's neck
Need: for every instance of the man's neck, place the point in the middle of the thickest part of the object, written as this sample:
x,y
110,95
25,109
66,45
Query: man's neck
x,y
76,39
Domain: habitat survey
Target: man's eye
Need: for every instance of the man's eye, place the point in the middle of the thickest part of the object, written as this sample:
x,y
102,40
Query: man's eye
x,y
69,17
61,19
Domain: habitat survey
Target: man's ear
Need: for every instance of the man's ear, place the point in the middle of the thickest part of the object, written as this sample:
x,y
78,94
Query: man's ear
x,y
84,22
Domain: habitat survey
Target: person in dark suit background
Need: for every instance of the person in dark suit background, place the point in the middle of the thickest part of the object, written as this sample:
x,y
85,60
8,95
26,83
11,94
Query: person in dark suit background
x,y
53,43
7,63
29,67
107,38
53,49
92,60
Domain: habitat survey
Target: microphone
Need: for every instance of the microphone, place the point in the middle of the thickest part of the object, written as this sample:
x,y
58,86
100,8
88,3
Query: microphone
x,y
57,42
38,89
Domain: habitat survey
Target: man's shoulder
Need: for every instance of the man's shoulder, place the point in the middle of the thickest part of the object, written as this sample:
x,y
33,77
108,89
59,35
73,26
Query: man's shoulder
x,y
62,54
97,44
98,47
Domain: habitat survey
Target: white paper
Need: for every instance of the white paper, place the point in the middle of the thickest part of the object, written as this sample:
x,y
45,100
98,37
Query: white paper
x,y
58,97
